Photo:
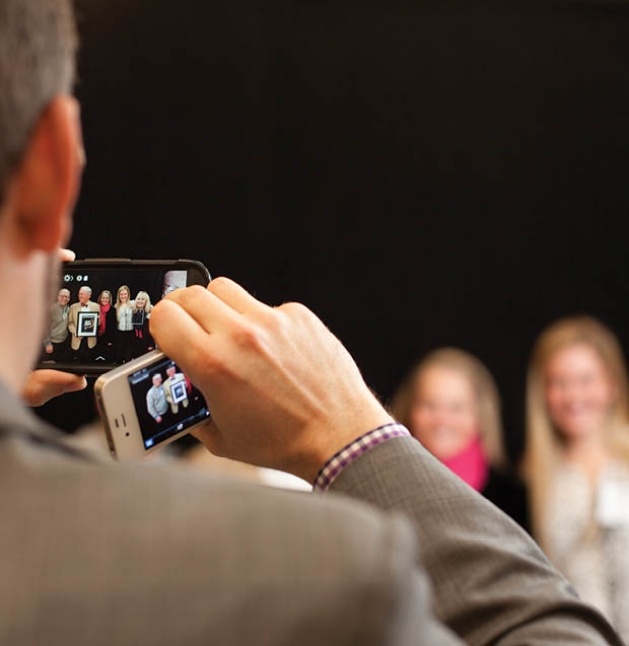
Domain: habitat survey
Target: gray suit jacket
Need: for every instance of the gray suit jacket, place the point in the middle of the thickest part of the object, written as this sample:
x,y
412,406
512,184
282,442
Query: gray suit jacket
x,y
58,331
99,554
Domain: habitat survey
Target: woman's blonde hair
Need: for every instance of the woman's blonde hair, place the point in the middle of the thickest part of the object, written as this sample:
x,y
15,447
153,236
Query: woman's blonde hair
x,y
544,443
147,299
483,384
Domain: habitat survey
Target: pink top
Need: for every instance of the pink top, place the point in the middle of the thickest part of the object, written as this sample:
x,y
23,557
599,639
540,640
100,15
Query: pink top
x,y
470,465
103,316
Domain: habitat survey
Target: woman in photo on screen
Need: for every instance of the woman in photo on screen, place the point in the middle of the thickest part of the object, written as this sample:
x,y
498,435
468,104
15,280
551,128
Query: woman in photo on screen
x,y
450,403
124,327
577,460
107,324
142,340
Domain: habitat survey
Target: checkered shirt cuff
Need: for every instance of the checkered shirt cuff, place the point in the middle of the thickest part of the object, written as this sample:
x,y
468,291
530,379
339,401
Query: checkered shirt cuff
x,y
353,451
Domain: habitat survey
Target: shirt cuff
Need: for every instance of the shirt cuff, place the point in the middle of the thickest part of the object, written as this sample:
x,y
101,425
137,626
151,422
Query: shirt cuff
x,y
333,467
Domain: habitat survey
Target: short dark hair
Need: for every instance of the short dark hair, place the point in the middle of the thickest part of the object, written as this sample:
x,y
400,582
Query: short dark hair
x,y
38,43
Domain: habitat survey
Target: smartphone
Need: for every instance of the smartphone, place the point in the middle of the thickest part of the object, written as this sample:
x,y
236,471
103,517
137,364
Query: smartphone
x,y
147,404
100,316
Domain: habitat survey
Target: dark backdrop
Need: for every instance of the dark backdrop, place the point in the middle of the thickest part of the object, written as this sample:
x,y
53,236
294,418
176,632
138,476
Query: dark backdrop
x,y
418,173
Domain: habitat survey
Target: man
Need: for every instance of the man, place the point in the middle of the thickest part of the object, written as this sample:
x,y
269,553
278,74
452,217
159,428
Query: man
x,y
83,332
130,554
56,343
156,403
173,396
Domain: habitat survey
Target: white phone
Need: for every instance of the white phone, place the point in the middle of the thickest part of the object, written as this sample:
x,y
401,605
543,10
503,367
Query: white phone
x,y
146,404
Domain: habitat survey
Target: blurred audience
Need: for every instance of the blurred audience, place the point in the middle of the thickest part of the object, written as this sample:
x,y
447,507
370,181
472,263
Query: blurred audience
x,y
577,460
450,403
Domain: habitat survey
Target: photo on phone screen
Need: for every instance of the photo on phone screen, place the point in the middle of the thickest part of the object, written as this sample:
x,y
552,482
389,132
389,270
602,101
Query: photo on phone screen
x,y
165,402
101,314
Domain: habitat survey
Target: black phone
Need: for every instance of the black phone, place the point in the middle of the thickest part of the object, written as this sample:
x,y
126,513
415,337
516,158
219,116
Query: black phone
x,y
101,313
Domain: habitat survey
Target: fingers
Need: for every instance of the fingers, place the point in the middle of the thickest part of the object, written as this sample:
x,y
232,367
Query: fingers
x,y
66,255
208,310
235,296
43,385
183,323
178,334
217,308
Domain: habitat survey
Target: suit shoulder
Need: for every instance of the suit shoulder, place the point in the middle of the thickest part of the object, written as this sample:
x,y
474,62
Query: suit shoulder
x,y
144,541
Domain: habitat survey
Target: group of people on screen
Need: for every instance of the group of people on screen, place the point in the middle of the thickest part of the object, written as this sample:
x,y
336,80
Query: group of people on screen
x,y
105,329
572,492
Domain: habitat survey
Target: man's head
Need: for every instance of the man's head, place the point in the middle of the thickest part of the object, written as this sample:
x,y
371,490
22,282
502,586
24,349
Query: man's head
x,y
63,297
84,294
40,163
157,379
37,51
171,371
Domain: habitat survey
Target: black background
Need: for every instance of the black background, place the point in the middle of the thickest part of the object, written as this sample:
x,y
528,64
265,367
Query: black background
x,y
418,173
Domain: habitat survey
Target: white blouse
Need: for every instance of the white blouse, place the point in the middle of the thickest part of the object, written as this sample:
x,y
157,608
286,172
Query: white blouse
x,y
124,314
587,537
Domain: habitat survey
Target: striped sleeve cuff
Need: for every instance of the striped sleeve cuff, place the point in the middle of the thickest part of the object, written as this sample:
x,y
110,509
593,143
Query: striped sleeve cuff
x,y
353,451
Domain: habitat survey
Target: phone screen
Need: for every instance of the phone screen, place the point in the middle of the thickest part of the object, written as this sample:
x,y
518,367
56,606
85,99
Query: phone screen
x,y
101,315
165,401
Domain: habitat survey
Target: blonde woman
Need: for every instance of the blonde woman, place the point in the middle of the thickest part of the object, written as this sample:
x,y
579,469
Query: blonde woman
x,y
124,316
142,340
577,460
450,403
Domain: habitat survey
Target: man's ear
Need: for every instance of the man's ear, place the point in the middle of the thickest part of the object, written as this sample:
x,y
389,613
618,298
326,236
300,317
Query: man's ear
x,y
47,181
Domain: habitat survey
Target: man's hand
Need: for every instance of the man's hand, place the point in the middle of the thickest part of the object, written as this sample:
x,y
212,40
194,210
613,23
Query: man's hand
x,y
42,385
282,390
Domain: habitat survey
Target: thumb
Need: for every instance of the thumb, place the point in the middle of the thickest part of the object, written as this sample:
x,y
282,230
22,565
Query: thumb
x,y
43,385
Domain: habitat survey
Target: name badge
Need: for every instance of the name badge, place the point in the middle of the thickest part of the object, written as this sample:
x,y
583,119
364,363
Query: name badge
x,y
612,504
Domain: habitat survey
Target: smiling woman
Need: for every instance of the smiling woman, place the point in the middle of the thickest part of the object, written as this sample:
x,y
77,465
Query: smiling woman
x,y
450,403
577,460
